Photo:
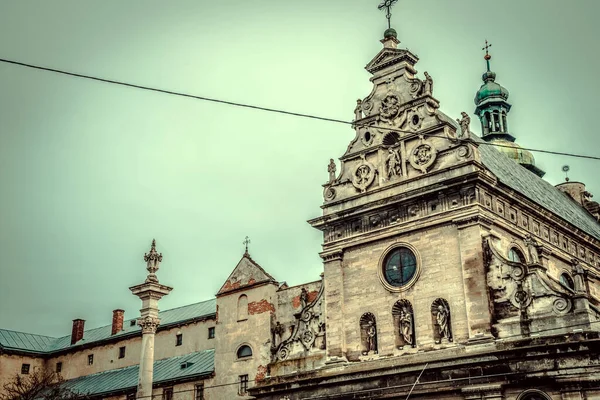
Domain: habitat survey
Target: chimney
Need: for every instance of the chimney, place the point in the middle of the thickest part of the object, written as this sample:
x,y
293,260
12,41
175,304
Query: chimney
x,y
77,332
117,322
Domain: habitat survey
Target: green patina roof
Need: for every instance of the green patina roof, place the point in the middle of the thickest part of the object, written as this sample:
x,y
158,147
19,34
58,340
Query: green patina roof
x,y
197,364
490,89
12,340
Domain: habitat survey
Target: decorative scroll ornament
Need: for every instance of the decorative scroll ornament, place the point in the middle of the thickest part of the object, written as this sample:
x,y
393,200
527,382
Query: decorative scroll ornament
x,y
148,324
329,194
422,157
390,108
363,175
306,329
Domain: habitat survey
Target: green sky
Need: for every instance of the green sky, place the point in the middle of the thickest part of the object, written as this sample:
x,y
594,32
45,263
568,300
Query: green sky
x,y
91,172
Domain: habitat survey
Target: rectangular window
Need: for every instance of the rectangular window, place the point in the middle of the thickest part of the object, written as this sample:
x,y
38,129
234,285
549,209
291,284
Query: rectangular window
x,y
59,367
122,352
211,333
132,322
167,393
243,384
25,369
200,391
90,359
179,339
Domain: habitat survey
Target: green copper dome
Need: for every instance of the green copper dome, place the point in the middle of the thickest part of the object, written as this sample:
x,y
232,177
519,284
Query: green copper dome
x,y
516,153
490,89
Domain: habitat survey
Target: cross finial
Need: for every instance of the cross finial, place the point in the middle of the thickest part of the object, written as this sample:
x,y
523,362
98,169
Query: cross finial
x,y
487,56
246,242
388,4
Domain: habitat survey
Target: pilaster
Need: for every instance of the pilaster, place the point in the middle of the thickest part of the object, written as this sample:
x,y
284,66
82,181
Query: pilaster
x,y
334,304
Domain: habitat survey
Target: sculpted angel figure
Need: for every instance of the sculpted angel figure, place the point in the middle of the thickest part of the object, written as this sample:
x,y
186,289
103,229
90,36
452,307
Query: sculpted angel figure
x,y
406,326
392,163
532,249
303,298
428,84
464,123
331,170
358,110
442,321
371,339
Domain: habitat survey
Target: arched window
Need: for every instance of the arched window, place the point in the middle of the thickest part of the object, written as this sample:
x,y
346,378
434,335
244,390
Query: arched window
x,y
567,281
515,255
243,308
404,324
488,121
244,351
368,333
533,394
504,121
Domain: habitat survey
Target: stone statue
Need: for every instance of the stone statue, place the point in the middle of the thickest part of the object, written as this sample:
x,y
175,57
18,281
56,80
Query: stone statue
x,y
428,85
331,170
358,110
442,321
303,298
371,338
392,164
532,249
277,331
406,326
464,123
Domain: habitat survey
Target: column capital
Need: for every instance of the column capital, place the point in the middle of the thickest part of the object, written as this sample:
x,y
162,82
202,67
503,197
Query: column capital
x,y
149,324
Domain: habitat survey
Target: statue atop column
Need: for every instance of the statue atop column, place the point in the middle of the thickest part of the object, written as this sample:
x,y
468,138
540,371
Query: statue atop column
x,y
464,123
358,110
428,85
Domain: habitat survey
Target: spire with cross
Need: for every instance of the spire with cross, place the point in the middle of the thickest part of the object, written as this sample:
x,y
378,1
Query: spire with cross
x,y
246,242
487,56
388,4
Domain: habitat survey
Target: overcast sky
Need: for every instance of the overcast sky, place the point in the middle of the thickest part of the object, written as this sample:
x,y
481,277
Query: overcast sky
x,y
90,172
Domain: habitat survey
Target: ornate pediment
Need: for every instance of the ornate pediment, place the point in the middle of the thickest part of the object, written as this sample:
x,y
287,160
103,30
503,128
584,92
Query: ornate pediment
x,y
390,56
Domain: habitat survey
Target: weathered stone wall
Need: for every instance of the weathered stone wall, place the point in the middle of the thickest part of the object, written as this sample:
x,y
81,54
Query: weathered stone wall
x,y
10,366
439,262
254,331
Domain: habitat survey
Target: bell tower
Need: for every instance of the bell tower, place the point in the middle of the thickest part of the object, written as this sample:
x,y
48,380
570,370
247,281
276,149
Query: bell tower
x,y
492,108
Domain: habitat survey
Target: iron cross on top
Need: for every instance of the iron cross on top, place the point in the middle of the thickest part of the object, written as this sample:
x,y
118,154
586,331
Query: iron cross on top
x,y
486,48
388,4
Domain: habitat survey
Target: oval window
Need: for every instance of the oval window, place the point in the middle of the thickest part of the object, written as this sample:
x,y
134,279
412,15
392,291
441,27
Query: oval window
x,y
567,281
399,266
515,255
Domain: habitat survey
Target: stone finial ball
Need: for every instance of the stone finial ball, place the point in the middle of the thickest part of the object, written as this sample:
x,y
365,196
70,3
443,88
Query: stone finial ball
x,y
391,32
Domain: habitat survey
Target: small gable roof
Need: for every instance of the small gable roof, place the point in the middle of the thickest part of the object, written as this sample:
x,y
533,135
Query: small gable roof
x,y
247,273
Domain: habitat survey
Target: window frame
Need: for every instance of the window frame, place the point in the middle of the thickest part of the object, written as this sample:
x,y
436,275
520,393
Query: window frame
x,y
570,282
243,384
122,351
520,254
167,393
381,267
211,332
178,339
58,368
199,391
90,359
25,368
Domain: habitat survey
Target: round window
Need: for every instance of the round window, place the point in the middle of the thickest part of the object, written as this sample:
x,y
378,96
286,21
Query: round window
x,y
399,266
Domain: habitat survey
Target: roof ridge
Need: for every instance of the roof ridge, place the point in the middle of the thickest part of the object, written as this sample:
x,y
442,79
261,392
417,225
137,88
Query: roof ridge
x,y
28,333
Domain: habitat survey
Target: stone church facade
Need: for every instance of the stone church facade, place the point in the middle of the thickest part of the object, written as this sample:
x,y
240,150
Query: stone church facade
x,y
451,270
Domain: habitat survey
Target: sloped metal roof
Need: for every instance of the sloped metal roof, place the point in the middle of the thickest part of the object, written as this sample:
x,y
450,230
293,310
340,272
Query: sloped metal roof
x,y
197,364
45,344
536,189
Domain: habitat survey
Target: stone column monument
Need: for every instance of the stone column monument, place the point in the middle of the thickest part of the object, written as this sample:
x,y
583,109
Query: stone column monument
x,y
149,292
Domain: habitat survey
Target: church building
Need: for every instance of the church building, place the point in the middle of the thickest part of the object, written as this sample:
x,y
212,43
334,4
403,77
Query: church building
x,y
451,270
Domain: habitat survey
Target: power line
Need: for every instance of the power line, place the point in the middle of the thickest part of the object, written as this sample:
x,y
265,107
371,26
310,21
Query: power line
x,y
268,109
